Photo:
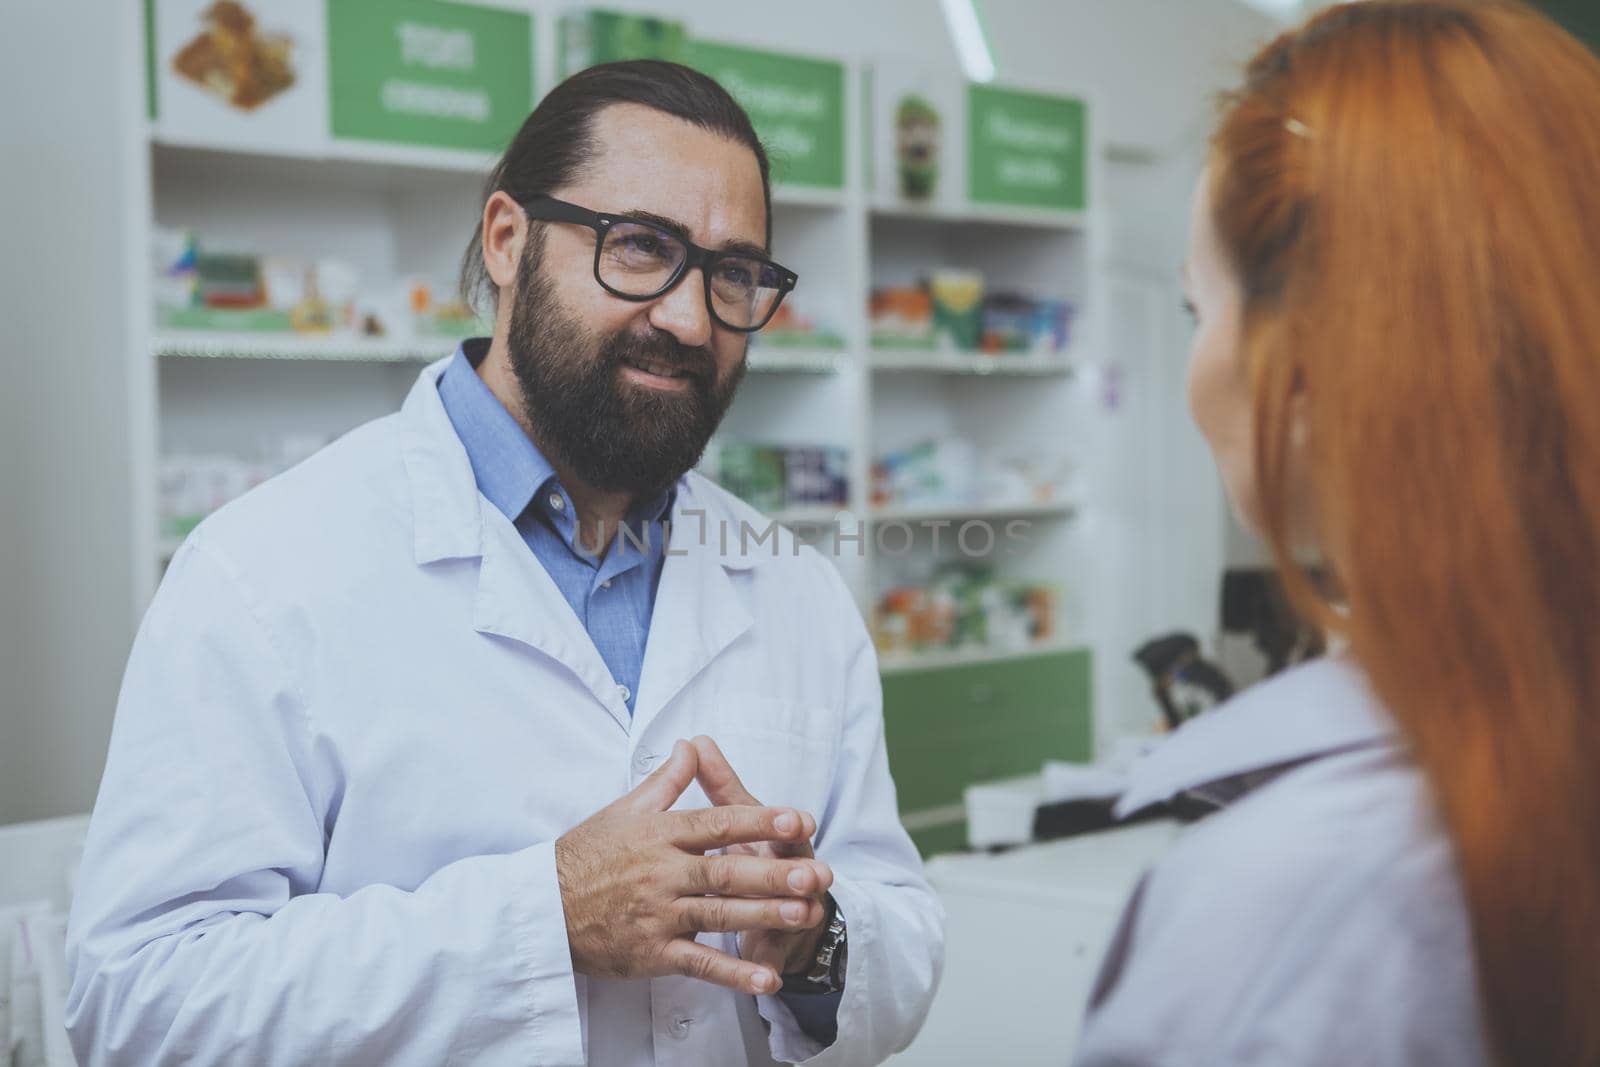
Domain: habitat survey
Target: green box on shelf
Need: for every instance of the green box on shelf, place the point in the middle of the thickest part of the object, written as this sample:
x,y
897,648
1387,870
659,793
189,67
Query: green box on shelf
x,y
237,320
587,38
795,102
1026,149
428,73
754,473
817,340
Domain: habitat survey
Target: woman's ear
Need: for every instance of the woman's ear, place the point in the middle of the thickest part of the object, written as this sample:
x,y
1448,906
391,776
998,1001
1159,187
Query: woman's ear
x,y
1305,533
505,229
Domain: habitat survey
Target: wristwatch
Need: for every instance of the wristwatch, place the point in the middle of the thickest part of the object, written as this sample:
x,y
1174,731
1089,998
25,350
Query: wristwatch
x,y
826,974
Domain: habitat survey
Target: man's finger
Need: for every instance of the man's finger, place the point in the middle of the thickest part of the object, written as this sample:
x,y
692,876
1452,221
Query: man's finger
x,y
722,915
709,828
717,776
737,875
707,964
666,783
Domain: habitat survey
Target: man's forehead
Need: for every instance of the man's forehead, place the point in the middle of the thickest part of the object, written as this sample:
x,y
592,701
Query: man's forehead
x,y
648,161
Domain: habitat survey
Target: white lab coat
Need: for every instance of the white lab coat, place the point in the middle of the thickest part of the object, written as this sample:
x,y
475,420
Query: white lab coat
x,y
356,718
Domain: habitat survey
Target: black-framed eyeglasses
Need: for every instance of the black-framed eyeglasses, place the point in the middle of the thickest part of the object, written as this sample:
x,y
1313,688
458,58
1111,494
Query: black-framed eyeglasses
x,y
639,260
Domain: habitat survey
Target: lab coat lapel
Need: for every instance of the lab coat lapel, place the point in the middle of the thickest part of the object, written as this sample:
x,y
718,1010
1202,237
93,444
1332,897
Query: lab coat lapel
x,y
698,611
515,597
518,600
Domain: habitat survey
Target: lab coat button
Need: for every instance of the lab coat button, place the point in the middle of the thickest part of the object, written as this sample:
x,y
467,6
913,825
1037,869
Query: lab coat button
x,y
643,762
679,1027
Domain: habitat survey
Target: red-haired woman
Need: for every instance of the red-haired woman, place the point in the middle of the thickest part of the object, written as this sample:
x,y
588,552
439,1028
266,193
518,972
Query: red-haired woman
x,y
1395,269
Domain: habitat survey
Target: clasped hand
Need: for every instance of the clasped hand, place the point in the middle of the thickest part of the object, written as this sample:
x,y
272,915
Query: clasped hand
x,y
637,885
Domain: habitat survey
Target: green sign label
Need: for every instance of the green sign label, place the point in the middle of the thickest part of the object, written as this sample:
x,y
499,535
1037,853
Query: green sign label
x,y
428,73
1026,149
796,104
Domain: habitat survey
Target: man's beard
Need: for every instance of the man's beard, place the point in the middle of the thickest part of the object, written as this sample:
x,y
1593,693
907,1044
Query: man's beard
x,y
614,436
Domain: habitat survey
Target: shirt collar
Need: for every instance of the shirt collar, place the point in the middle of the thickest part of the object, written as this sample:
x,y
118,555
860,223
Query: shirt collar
x,y
1313,710
508,467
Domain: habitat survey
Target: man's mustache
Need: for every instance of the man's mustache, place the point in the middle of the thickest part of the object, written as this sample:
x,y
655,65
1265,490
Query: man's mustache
x,y
695,362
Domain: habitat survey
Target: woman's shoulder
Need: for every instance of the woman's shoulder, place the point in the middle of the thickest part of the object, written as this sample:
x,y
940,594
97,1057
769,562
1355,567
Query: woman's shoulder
x,y
1315,917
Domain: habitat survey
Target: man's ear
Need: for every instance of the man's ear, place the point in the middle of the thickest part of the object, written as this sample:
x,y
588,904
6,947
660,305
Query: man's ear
x,y
505,231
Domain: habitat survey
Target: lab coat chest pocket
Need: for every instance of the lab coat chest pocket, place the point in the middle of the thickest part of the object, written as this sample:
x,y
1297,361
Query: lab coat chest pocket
x,y
783,751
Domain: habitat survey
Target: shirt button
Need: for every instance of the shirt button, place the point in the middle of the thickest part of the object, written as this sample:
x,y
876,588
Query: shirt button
x,y
625,693
606,584
679,1026
556,502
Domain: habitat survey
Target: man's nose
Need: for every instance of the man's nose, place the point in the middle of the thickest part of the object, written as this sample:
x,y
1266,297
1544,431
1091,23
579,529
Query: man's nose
x,y
683,313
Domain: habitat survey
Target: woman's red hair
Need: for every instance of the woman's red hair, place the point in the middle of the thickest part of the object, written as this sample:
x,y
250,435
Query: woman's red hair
x,y
1409,191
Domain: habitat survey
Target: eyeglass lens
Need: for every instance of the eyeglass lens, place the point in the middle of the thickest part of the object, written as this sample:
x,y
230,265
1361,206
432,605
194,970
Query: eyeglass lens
x,y
640,260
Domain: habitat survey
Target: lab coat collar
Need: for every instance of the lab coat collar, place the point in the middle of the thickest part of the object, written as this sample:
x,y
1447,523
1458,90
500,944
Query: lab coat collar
x,y
445,502
698,612
515,598
1313,710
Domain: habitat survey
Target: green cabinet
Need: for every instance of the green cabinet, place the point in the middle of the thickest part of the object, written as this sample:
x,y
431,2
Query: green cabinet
x,y
949,727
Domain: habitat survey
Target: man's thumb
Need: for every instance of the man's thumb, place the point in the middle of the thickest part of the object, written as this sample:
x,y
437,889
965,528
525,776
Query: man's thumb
x,y
667,782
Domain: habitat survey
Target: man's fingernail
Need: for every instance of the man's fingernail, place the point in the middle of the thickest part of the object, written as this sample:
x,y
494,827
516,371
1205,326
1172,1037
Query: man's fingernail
x,y
786,823
793,911
798,880
765,982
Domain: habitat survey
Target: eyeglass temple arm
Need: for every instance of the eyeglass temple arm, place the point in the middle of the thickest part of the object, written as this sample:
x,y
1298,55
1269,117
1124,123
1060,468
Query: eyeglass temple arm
x,y
549,209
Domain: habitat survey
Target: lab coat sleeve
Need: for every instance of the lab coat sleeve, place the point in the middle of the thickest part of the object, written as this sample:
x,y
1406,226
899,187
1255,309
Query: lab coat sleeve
x,y
895,923
198,935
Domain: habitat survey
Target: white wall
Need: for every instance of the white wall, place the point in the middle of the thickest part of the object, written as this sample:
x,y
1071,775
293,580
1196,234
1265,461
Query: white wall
x,y
76,390
71,187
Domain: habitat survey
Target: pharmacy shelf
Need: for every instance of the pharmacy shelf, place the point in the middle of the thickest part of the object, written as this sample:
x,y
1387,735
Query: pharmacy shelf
x,y
901,662
808,196
370,169
935,361
813,517
206,344
1024,218
1056,509
373,166
781,359
209,344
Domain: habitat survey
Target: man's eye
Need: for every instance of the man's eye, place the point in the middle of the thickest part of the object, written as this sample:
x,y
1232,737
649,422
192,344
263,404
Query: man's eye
x,y
645,243
735,274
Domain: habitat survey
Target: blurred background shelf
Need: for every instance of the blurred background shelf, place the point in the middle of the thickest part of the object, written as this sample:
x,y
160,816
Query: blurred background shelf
x,y
200,344
974,363
978,214
782,359
1020,510
908,662
812,516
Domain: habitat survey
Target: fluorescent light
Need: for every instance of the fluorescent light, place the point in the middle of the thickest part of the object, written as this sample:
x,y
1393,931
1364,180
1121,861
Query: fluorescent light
x,y
967,32
1281,9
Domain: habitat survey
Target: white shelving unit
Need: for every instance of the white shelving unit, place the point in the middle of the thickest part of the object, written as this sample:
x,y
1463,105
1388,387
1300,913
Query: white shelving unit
x,y
396,213
905,662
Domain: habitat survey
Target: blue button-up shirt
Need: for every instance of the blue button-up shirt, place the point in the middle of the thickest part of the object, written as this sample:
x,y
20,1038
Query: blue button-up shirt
x,y
613,594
